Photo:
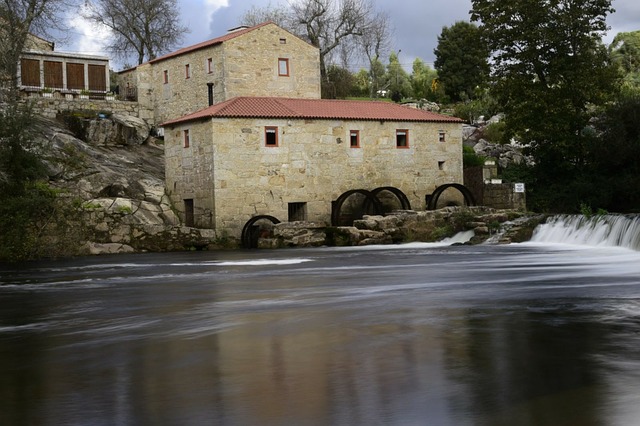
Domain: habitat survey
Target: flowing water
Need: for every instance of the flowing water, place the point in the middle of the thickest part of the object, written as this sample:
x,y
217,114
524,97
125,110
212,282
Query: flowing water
x,y
543,333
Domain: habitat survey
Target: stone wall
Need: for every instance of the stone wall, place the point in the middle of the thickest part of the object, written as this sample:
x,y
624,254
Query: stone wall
x,y
503,196
246,65
232,176
52,107
495,195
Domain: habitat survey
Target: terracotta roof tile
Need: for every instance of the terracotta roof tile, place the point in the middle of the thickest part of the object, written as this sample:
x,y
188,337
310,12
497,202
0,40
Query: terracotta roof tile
x,y
208,43
202,45
268,107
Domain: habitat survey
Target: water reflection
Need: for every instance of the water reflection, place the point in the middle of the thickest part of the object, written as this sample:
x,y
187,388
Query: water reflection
x,y
454,336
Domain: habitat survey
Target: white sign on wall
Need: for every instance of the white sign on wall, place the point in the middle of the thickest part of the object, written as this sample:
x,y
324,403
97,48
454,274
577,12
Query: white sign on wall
x,y
518,187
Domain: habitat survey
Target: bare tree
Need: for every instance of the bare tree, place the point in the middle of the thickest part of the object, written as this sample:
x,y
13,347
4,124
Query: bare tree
x,y
326,24
279,15
18,19
144,28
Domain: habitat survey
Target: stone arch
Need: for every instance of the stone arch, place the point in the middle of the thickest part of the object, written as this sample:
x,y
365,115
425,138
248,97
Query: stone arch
x,y
432,201
336,206
249,232
404,201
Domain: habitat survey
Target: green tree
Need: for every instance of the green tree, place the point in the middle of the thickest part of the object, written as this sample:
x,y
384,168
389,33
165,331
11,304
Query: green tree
x,y
614,157
550,69
361,83
397,79
340,83
26,202
461,60
377,78
625,53
423,81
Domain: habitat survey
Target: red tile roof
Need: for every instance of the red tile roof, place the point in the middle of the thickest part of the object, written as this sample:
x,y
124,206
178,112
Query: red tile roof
x,y
208,43
328,109
218,40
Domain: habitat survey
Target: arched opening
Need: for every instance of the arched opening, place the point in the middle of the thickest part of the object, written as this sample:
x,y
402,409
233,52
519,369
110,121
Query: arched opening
x,y
260,226
391,199
353,205
432,200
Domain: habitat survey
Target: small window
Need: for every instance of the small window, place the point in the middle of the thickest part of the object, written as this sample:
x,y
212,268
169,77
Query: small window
x,y
441,136
271,136
402,138
354,139
283,67
188,212
283,41
297,212
186,138
440,165
166,76
209,65
187,71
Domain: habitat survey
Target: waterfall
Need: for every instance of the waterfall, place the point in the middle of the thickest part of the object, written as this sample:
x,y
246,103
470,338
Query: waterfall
x,y
602,230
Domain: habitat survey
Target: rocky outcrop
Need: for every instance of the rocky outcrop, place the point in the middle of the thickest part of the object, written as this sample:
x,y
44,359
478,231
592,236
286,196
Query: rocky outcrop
x,y
403,226
504,154
473,135
114,186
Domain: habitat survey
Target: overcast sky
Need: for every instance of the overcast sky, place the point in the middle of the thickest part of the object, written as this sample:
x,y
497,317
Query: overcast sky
x,y
416,23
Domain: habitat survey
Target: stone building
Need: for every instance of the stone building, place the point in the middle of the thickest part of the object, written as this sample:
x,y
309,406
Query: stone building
x,y
292,158
43,70
264,60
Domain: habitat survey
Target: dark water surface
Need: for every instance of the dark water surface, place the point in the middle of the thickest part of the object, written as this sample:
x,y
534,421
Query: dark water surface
x,y
411,335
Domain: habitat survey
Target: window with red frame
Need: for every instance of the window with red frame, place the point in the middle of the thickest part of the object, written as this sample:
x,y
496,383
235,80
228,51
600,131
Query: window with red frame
x,y
283,67
354,138
186,138
270,136
402,138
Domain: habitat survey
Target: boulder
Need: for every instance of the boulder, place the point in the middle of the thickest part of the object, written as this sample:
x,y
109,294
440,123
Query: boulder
x,y
133,130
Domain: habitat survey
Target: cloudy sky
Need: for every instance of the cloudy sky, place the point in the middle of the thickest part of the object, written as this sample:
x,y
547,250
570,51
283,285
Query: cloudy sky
x,y
417,23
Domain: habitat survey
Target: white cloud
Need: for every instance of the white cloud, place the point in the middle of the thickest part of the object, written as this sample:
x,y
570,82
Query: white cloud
x,y
212,6
89,38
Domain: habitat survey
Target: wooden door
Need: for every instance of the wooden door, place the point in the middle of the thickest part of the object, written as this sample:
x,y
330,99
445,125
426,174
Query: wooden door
x,y
30,72
75,76
53,74
97,78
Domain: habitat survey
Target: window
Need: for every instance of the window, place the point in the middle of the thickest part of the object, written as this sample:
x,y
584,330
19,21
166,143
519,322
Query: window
x,y
187,71
297,212
271,136
440,165
354,139
283,67
210,65
166,76
188,212
186,138
441,136
402,138
283,41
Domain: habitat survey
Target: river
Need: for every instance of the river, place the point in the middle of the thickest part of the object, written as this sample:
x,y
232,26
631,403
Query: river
x,y
539,333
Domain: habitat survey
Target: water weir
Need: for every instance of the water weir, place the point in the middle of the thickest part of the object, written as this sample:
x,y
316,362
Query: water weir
x,y
601,230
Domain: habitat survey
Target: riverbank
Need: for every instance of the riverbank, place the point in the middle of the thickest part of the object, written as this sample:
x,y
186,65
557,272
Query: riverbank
x,y
405,226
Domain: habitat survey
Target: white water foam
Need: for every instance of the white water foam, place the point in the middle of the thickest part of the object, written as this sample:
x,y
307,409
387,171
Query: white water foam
x,y
597,231
459,238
